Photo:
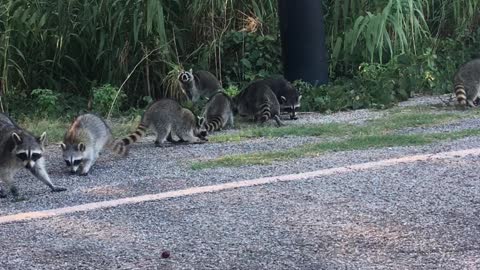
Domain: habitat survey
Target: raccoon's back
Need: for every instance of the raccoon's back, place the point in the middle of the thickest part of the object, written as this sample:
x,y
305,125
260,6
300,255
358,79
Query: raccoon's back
x,y
281,87
6,131
88,127
208,83
7,127
6,120
469,73
278,85
163,110
256,95
219,104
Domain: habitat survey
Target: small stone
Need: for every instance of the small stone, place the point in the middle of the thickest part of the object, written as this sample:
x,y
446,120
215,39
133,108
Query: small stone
x,y
165,254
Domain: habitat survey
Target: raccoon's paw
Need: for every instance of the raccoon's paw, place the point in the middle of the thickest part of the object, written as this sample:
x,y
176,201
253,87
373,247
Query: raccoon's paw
x,y
58,189
83,174
293,117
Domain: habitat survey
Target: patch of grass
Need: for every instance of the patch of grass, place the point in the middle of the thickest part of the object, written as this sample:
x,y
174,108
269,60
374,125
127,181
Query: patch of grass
x,y
56,128
124,126
398,118
332,129
403,120
355,143
395,121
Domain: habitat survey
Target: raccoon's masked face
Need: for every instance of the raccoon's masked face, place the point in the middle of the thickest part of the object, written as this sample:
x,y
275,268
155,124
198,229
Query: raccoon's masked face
x,y
28,149
201,128
290,105
186,79
73,155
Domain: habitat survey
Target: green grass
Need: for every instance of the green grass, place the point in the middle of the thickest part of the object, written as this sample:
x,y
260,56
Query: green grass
x,y
395,121
272,132
57,127
355,143
398,118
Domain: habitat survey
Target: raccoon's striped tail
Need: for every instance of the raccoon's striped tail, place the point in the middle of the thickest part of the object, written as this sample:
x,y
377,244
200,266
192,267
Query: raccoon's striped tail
x,y
461,94
121,146
265,112
214,123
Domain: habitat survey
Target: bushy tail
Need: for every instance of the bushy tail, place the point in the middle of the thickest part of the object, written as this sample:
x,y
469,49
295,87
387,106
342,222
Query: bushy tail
x,y
265,112
214,123
121,146
461,94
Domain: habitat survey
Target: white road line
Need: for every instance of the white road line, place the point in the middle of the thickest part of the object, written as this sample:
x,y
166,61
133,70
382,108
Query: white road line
x,y
233,185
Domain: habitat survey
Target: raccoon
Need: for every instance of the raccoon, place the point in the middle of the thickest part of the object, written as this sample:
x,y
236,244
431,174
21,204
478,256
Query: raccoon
x,y
87,136
20,149
287,95
169,120
199,84
259,101
218,112
467,83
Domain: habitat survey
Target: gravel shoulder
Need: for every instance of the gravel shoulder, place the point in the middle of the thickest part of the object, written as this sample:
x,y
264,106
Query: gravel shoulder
x,y
421,215
395,218
149,169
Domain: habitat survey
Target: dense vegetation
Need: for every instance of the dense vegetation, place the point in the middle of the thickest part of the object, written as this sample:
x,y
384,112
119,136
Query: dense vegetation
x,y
69,55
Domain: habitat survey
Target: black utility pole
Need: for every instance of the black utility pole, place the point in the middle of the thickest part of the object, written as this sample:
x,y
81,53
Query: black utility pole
x,y
303,41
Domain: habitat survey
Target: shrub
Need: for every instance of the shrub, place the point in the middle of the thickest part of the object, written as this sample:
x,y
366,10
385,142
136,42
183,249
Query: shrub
x,y
103,98
373,86
248,56
46,102
232,90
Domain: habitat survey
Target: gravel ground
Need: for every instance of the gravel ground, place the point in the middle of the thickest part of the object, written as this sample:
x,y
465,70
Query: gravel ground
x,y
395,218
451,127
439,101
416,216
351,117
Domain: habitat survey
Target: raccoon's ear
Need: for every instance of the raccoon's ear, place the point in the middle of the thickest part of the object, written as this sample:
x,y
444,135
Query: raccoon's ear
x,y
43,138
16,138
299,97
283,99
63,146
81,147
191,71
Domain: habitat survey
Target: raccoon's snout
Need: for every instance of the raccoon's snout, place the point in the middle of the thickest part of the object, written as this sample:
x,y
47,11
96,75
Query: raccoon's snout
x,y
29,164
184,78
73,170
203,133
